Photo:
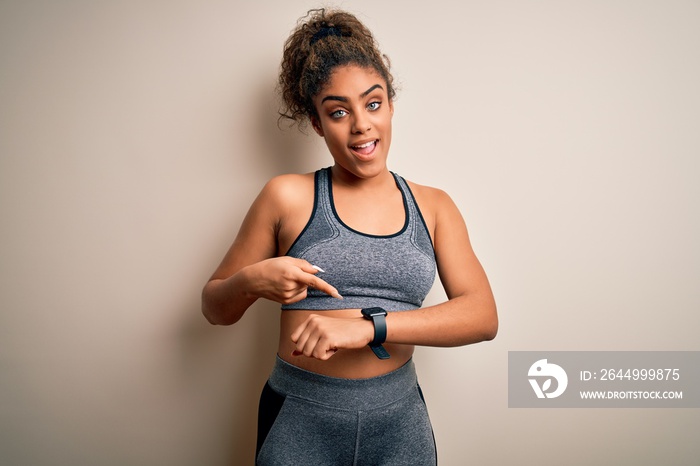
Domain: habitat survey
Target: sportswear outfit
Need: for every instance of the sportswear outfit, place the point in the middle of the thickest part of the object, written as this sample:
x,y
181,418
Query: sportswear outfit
x,y
307,418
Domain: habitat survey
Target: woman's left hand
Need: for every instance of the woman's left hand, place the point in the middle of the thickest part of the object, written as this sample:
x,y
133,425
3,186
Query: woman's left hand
x,y
321,336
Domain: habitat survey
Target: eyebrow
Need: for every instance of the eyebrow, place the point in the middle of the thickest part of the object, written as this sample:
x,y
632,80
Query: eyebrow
x,y
345,99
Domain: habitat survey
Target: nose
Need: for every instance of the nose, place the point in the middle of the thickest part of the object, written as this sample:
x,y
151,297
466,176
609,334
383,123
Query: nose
x,y
360,123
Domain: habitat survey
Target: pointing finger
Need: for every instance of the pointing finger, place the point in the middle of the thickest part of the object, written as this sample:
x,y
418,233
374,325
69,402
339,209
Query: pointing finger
x,y
325,287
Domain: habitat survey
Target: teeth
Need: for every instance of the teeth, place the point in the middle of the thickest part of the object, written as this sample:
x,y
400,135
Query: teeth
x,y
365,145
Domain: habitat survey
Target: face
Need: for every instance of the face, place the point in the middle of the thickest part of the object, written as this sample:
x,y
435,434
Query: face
x,y
354,117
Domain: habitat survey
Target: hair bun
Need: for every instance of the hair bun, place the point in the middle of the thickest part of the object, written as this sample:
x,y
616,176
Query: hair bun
x,y
326,31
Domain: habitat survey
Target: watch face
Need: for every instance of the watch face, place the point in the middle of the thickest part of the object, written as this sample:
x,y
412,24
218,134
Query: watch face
x,y
373,311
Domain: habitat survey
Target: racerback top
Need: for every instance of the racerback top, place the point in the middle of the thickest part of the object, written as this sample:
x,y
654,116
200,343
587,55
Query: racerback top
x,y
394,272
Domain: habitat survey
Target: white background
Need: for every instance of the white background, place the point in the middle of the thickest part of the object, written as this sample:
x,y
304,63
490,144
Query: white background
x,y
135,134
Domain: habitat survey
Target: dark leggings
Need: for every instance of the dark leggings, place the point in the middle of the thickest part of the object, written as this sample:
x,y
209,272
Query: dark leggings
x,y
310,419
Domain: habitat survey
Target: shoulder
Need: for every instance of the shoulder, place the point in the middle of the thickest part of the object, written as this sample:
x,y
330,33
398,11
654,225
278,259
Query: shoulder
x,y
288,183
430,199
286,201
290,188
436,206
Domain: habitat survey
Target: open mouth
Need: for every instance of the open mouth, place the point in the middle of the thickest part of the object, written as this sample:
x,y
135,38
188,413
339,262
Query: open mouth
x,y
365,149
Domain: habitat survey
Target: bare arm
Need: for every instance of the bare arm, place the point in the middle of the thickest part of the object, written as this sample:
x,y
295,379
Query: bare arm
x,y
469,316
252,269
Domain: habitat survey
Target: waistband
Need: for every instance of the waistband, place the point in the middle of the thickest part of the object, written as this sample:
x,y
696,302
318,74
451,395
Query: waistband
x,y
340,393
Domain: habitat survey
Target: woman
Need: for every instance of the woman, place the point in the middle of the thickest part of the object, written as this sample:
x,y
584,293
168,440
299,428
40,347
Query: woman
x,y
350,252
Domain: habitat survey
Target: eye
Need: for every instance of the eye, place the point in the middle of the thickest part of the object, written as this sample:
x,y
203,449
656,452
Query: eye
x,y
338,114
374,106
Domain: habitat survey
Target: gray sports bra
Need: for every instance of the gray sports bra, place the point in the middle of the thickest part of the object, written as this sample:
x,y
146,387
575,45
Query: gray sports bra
x,y
395,272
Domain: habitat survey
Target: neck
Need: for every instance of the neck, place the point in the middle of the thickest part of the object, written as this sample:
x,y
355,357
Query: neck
x,y
343,177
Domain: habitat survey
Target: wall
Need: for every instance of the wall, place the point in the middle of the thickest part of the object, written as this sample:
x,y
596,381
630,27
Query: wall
x,y
134,135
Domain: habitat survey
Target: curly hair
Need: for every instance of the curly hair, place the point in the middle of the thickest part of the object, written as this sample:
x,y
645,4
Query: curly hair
x,y
323,40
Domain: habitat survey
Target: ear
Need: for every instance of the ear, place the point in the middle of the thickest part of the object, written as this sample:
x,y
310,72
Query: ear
x,y
317,125
391,107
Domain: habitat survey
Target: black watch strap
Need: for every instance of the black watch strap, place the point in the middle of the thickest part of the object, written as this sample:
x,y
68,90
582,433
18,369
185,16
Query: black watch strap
x,y
378,317
380,351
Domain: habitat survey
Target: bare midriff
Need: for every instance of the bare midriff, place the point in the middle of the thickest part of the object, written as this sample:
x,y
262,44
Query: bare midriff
x,y
345,363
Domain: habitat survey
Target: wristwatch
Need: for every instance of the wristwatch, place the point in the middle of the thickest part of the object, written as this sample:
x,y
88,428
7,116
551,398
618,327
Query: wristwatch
x,y
378,316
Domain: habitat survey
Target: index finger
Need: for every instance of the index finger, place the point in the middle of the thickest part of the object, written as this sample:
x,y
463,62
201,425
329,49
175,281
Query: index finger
x,y
321,285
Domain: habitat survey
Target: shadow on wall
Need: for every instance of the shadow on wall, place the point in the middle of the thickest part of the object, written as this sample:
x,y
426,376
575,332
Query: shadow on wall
x,y
284,147
241,357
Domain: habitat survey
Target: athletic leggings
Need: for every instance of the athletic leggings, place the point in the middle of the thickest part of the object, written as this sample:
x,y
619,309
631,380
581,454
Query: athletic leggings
x,y
311,419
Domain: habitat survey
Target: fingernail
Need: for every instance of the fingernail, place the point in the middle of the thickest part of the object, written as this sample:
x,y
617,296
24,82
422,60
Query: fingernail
x,y
318,268
337,295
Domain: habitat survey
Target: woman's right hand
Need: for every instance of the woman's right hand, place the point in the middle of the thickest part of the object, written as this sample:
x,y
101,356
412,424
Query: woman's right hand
x,y
281,279
286,280
251,268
